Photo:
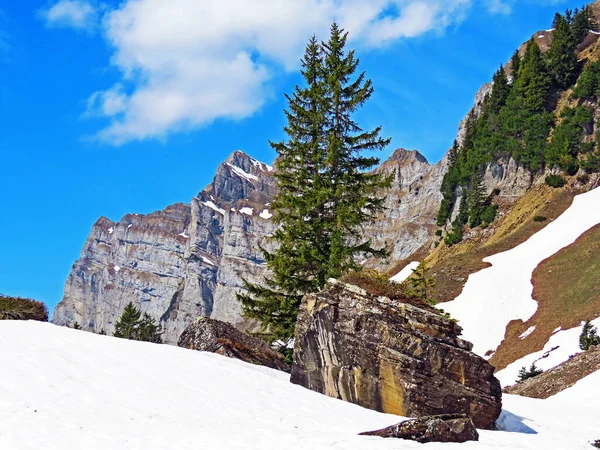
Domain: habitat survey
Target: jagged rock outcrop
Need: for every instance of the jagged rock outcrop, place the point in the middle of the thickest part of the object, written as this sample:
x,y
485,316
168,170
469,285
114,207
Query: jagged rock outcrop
x,y
177,264
208,335
443,428
411,204
390,356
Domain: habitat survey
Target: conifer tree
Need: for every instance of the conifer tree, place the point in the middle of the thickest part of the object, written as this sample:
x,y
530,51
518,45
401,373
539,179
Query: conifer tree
x,y
132,325
325,192
562,57
422,282
298,264
148,330
476,198
127,326
534,81
500,91
583,23
515,63
588,337
355,198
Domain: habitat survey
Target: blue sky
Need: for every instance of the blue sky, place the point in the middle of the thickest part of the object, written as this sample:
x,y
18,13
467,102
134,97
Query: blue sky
x,y
126,107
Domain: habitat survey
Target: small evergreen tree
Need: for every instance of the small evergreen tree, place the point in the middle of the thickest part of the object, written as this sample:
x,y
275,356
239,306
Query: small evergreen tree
x,y
422,282
583,23
133,326
515,63
588,337
476,199
148,330
76,326
525,374
127,327
562,56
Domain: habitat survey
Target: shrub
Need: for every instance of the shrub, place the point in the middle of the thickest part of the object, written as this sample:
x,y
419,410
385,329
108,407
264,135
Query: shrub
x,y
555,181
583,179
596,443
588,337
489,214
525,374
16,308
540,218
438,233
378,284
456,235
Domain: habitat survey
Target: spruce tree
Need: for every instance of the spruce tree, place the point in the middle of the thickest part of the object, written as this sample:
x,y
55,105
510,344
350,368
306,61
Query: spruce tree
x,y
562,56
588,337
500,91
127,326
422,282
534,80
137,327
354,193
476,198
297,266
583,23
148,330
325,193
515,65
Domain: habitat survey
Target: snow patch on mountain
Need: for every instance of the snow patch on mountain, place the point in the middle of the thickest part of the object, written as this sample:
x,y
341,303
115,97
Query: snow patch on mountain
x,y
403,275
559,348
495,296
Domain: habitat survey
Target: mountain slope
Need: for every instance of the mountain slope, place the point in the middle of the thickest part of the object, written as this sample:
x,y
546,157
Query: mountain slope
x,y
67,389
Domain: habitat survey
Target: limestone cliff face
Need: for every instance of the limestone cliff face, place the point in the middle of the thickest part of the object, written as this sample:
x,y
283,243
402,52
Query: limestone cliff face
x,y
411,204
177,264
390,356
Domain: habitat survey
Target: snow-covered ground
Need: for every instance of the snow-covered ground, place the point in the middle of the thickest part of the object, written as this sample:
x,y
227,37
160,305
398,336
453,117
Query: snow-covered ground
x,y
558,349
403,275
495,296
68,389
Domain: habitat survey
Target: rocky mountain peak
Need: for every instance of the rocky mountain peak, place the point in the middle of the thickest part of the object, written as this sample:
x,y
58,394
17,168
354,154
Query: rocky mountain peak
x,y
401,155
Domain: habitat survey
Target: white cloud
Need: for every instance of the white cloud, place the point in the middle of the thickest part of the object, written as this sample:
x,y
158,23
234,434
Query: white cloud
x,y
77,14
500,6
185,63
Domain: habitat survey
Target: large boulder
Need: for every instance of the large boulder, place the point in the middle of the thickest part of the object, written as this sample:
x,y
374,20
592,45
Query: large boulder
x,y
390,356
443,428
209,335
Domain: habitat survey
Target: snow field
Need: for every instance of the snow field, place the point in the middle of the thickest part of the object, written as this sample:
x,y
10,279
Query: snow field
x,y
68,389
495,296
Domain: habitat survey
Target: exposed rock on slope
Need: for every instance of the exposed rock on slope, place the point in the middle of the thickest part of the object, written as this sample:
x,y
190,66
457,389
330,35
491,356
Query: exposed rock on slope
x,y
559,378
214,336
390,356
179,263
444,428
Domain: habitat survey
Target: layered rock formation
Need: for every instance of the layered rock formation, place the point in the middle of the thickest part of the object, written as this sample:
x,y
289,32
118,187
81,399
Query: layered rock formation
x,y
209,335
177,264
390,356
